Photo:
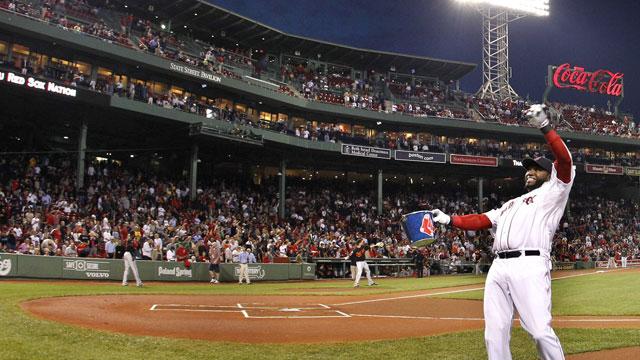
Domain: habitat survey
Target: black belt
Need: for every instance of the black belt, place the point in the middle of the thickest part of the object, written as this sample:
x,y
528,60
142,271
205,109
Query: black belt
x,y
517,253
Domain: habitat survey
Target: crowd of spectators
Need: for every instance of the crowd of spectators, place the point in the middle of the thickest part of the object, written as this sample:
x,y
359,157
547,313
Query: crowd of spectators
x,y
419,98
41,213
73,15
599,229
324,132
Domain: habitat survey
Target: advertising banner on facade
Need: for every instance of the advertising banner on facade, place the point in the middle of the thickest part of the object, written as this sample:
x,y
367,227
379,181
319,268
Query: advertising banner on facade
x,y
632,171
365,151
472,160
420,156
604,169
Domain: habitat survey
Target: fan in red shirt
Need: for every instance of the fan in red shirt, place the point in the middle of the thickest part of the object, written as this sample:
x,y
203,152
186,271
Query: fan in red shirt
x,y
182,255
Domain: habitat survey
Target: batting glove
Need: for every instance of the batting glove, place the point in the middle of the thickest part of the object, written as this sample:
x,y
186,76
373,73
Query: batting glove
x,y
537,116
440,217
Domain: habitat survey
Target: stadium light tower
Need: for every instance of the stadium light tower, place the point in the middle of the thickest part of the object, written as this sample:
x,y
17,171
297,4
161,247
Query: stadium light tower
x,y
496,16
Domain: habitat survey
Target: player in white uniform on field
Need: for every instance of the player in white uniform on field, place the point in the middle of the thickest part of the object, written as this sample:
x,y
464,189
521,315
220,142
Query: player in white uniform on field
x,y
130,263
523,229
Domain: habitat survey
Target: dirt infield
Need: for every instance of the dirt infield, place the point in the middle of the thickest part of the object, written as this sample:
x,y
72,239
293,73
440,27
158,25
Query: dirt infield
x,y
254,319
617,354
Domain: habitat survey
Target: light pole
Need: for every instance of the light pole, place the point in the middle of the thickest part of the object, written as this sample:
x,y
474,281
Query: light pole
x,y
496,16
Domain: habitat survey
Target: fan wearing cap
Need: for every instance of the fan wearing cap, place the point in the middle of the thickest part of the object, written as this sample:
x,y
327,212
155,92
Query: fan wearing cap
x,y
523,229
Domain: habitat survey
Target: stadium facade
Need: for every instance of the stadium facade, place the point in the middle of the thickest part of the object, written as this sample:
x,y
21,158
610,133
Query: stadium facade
x,y
89,83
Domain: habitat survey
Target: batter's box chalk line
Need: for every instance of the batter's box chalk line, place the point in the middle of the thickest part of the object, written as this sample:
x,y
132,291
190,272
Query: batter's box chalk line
x,y
255,312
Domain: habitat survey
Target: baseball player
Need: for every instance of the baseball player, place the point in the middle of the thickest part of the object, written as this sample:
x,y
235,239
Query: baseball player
x,y
129,262
359,253
523,229
214,262
353,268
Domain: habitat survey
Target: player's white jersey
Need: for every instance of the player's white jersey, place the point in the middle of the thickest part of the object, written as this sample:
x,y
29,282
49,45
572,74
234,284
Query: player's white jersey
x,y
531,220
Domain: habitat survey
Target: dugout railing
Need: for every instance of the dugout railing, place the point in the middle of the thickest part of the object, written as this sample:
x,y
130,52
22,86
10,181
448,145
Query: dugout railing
x,y
397,267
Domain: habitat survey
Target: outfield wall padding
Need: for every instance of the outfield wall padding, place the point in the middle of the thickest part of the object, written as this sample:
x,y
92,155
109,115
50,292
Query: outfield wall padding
x,y
45,267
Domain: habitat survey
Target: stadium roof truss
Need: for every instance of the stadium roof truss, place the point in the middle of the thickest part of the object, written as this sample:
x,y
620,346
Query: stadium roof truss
x,y
206,21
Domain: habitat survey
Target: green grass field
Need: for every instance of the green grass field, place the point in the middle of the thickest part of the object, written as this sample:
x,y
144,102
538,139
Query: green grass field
x,y
25,337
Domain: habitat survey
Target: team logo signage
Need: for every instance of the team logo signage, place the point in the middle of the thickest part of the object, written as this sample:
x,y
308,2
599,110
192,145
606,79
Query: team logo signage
x,y
420,156
473,160
5,267
604,169
418,225
365,151
427,225
174,272
33,83
91,269
600,81
255,272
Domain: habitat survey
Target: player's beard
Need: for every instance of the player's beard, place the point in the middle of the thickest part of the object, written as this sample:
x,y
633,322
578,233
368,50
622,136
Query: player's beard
x,y
535,185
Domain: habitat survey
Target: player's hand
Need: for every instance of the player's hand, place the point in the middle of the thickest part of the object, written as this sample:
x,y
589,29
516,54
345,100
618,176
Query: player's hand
x,y
537,116
440,217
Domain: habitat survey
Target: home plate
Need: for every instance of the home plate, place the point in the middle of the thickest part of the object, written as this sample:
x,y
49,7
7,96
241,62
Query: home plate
x,y
290,309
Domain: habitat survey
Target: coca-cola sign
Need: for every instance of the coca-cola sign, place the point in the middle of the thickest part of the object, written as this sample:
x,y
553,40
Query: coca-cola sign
x,y
600,81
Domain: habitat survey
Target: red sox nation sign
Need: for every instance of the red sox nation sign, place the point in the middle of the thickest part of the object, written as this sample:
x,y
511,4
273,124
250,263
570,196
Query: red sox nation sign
x,y
600,81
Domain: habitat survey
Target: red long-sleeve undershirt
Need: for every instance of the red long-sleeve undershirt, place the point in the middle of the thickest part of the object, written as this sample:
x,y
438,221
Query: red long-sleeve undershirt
x,y
562,164
563,161
471,222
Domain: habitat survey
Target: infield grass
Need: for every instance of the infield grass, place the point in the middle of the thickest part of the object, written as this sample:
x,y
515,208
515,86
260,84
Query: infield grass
x,y
600,294
26,337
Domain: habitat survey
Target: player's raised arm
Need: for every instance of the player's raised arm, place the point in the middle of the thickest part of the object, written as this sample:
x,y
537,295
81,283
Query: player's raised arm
x,y
465,222
537,117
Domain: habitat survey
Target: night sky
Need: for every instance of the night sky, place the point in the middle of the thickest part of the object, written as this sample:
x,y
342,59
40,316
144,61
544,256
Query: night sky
x,y
594,34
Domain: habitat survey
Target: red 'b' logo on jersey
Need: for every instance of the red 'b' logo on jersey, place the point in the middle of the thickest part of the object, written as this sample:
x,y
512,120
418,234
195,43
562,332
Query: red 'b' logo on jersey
x,y
427,225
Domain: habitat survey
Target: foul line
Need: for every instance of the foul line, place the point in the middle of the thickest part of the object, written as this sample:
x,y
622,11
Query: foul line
x,y
596,320
454,291
418,317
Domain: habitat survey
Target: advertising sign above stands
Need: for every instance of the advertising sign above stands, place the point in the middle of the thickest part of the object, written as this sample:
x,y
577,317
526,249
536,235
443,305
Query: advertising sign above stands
x,y
421,156
195,72
600,81
365,151
604,169
473,160
33,83
632,171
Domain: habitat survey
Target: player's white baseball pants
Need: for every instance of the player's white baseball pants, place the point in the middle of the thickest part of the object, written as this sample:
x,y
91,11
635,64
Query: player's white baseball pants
x,y
244,272
525,283
362,265
130,264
